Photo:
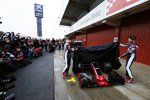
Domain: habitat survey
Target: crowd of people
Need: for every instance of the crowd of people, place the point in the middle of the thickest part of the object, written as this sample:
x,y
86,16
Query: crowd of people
x,y
17,52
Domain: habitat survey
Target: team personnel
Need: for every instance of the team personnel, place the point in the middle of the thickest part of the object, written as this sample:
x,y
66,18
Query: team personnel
x,y
131,55
67,56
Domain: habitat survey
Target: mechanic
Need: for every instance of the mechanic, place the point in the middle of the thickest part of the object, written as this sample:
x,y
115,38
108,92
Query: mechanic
x,y
68,50
131,55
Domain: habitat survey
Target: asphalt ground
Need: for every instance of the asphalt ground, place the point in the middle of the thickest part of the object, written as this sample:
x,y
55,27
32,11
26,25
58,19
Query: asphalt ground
x,y
65,90
138,90
42,80
36,81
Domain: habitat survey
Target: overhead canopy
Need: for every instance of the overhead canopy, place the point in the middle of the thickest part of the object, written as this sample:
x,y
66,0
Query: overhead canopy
x,y
76,9
111,16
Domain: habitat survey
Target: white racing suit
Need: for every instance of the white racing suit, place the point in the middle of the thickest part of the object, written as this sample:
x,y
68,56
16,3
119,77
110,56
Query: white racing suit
x,y
67,61
131,55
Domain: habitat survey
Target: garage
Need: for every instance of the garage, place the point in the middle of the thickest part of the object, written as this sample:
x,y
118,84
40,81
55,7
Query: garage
x,y
138,25
100,35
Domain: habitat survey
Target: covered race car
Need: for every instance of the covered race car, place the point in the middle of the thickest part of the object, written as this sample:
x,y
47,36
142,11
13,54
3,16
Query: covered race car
x,y
106,55
96,59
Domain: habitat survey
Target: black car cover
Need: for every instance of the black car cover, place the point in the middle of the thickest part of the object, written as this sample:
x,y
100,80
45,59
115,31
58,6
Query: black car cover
x,y
100,53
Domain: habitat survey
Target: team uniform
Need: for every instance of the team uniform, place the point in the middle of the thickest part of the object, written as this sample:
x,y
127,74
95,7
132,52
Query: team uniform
x,y
131,55
67,60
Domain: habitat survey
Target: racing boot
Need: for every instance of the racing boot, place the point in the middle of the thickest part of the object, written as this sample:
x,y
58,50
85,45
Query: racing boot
x,y
130,80
64,75
68,74
126,78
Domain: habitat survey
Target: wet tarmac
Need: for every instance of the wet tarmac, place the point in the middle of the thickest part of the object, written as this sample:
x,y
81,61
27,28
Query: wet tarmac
x,y
71,90
42,80
36,81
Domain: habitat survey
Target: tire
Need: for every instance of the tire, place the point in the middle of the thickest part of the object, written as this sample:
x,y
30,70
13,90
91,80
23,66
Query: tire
x,y
107,68
81,83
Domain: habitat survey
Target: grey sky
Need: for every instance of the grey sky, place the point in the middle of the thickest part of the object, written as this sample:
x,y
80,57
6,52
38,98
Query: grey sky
x,y
18,16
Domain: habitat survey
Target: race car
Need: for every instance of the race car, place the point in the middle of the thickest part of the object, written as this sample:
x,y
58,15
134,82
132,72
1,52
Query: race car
x,y
97,59
105,55
97,79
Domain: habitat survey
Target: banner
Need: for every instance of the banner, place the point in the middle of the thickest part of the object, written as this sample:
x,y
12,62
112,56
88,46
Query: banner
x,y
38,8
116,6
97,14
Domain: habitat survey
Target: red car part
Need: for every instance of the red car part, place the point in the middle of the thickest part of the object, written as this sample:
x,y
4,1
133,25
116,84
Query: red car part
x,y
99,77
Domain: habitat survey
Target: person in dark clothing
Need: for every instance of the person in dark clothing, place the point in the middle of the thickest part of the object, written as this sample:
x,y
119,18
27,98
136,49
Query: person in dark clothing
x,y
131,55
53,41
25,49
6,64
68,51
19,61
44,45
59,45
36,43
62,44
